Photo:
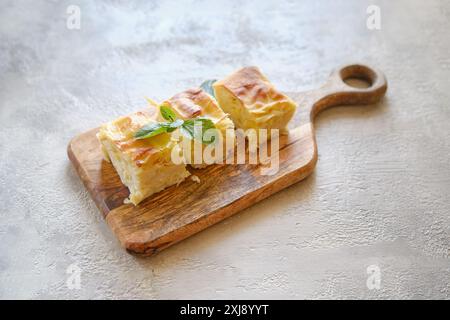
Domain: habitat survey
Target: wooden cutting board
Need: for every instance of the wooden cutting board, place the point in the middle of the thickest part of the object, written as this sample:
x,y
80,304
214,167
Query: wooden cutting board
x,y
180,211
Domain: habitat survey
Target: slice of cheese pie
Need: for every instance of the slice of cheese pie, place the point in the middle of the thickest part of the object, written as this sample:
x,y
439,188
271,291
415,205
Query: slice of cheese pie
x,y
145,165
194,103
252,101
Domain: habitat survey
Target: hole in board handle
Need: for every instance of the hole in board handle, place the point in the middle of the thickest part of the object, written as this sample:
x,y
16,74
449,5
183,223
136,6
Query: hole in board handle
x,y
358,83
358,76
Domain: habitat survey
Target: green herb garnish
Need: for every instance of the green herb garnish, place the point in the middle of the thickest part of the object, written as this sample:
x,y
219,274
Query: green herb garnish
x,y
189,128
207,85
167,113
151,130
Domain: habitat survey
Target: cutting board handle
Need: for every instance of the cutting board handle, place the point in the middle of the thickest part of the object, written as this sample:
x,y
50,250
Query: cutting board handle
x,y
337,92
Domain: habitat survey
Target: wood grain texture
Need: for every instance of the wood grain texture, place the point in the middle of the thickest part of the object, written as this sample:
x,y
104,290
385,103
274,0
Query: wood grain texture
x,y
180,211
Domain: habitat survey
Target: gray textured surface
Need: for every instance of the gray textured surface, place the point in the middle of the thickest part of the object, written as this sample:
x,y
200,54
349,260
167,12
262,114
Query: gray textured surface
x,y
379,195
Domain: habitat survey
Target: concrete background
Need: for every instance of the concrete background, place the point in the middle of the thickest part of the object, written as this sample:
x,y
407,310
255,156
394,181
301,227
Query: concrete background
x,y
379,195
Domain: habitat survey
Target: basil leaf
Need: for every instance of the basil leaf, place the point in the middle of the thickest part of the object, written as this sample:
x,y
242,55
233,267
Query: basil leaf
x,y
151,130
167,113
207,86
188,129
172,126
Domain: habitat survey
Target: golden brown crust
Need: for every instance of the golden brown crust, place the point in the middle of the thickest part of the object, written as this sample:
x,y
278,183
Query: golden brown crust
x,y
194,102
188,103
120,132
138,149
251,87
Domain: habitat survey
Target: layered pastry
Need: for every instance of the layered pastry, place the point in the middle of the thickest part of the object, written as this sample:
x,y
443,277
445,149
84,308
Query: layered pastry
x,y
196,103
141,146
144,165
252,101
